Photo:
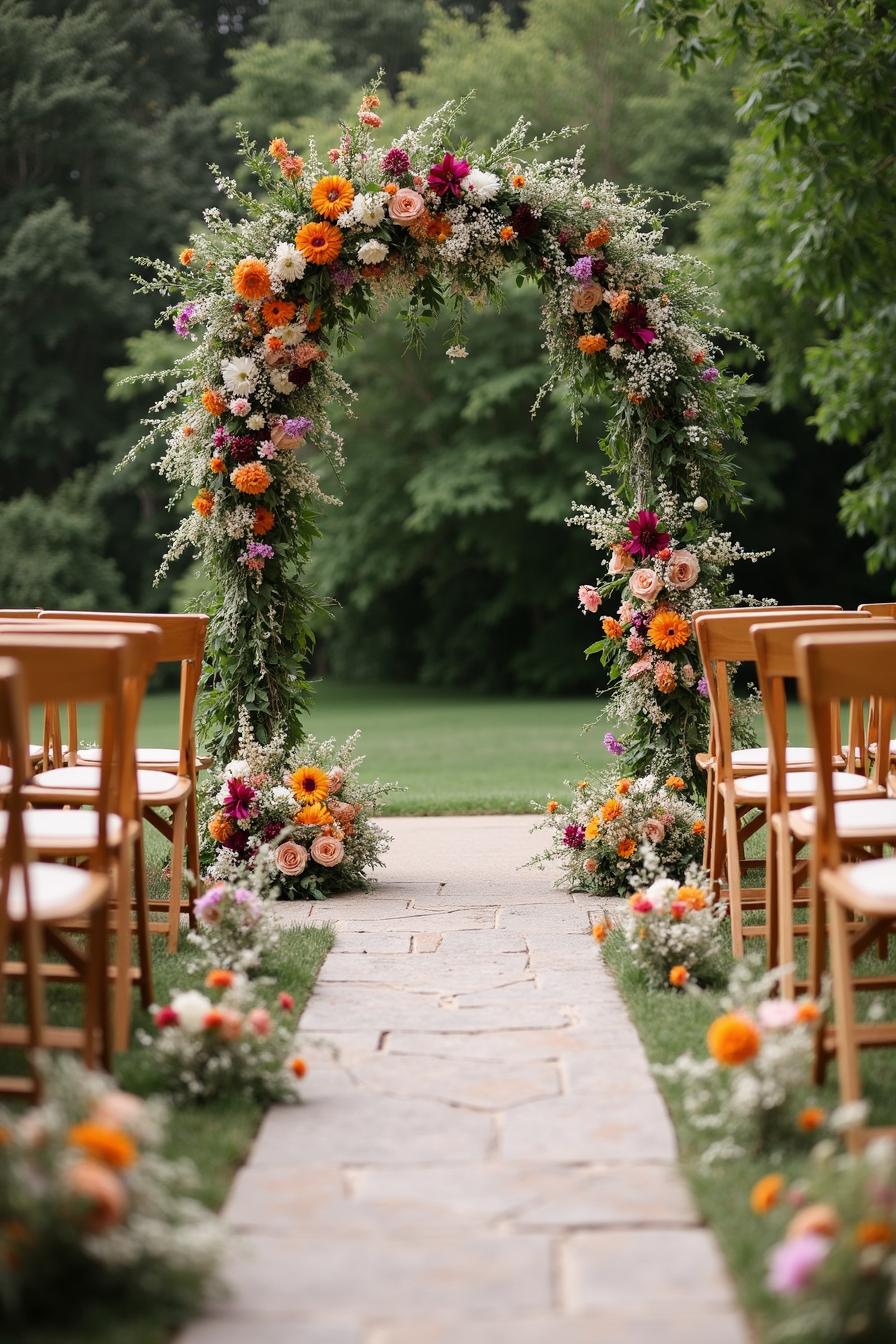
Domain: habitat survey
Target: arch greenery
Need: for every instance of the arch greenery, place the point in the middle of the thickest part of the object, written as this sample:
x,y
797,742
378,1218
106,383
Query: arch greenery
x,y
274,284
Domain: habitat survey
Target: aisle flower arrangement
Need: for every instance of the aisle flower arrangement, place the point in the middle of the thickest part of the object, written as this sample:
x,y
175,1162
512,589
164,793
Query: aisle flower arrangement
x,y
234,925
89,1207
665,562
297,818
597,835
750,1088
225,1042
264,300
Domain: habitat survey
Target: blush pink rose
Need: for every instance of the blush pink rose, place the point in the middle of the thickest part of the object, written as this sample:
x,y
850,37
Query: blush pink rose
x,y
682,570
336,778
645,584
586,298
589,597
654,831
620,561
259,1020
406,206
291,858
327,851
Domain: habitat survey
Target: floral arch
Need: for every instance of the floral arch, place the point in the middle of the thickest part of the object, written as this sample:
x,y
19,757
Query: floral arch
x,y
265,298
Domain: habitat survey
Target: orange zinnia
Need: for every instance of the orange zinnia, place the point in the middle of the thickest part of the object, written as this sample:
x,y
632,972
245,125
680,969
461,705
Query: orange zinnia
x,y
626,848
277,312
592,345
552,805
278,147
109,1146
187,256
623,786
766,1193
310,784
204,503
507,233
331,197
599,932
251,478
319,243
692,896
217,465
597,237
251,279
313,815
213,402
699,827
264,521
733,1039
219,979
611,809
675,782
592,829
810,1118
668,630
518,181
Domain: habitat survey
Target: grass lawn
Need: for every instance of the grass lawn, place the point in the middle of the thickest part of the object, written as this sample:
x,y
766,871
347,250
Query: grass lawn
x,y
672,1023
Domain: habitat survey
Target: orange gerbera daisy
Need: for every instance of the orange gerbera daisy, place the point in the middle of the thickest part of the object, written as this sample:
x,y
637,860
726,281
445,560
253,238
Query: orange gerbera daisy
x,y
251,279
213,402
611,809
251,478
220,828
626,848
332,196
668,630
592,345
766,1193
733,1039
319,243
204,503
309,784
277,312
264,521
313,815
109,1146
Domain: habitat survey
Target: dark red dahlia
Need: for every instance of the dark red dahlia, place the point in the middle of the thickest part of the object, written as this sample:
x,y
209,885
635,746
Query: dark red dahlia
x,y
299,377
524,221
243,447
646,538
574,837
633,329
395,162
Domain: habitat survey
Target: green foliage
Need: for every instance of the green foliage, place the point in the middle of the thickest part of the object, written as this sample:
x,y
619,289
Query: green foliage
x,y
280,90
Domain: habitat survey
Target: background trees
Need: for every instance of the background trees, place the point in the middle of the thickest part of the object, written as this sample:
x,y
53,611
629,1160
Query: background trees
x,y
449,558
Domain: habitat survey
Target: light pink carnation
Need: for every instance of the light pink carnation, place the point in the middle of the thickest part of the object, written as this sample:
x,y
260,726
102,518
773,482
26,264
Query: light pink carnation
x,y
635,645
589,597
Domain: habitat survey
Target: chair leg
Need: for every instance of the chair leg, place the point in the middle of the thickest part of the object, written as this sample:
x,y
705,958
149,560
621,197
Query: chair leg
x,y
775,846
784,896
141,909
98,964
32,945
844,1006
192,853
735,910
178,827
121,1013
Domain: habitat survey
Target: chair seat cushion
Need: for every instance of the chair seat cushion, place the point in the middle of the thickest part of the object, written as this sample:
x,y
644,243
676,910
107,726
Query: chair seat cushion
x,y
151,784
863,816
57,891
875,877
758,756
5,774
872,747
64,829
799,784
152,758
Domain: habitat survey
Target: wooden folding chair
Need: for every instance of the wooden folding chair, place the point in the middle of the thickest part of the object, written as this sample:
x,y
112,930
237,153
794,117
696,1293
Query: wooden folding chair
x,y
831,668
724,639
38,901
791,823
36,750
167,776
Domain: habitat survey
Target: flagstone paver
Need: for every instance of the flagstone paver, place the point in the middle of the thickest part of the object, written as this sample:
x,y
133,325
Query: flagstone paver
x,y
482,1154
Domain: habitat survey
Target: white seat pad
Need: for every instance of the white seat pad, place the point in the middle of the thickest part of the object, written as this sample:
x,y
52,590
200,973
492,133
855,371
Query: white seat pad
x,y
758,756
873,747
86,779
798,783
5,774
55,889
157,757
876,877
865,814
60,826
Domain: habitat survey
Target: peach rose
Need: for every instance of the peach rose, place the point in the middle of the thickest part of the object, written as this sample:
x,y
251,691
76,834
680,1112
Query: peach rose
x,y
336,778
327,851
103,1192
645,584
620,562
279,436
291,858
654,831
118,1110
343,812
406,206
586,298
682,570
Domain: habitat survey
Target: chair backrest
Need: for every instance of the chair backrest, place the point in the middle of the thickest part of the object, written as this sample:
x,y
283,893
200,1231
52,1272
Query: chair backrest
x,y
879,608
723,639
22,615
852,665
87,668
182,641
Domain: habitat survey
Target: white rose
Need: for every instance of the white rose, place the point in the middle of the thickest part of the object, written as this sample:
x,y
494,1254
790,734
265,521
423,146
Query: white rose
x,y
372,252
288,263
701,504
191,1008
480,185
279,379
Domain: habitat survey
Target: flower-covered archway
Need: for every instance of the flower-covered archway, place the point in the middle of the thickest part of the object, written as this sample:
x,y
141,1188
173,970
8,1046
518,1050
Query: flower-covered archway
x,y
265,299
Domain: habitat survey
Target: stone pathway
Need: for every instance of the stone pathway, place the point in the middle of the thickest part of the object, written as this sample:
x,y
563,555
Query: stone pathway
x,y
482,1156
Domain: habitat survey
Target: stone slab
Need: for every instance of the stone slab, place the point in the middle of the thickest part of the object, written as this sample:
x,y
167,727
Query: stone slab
x,y
603,1269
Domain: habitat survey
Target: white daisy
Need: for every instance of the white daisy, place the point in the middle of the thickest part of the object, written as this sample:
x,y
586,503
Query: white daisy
x,y
280,381
367,208
239,375
288,263
372,252
292,334
480,185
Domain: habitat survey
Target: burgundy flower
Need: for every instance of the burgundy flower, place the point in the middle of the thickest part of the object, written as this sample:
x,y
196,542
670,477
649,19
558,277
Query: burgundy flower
x,y
395,162
598,265
447,176
299,377
243,447
272,830
646,538
524,221
237,842
574,837
240,796
631,327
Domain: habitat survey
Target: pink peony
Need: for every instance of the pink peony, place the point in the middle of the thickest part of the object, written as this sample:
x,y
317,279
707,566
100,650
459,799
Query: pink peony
x,y
586,298
645,584
682,570
259,1020
291,858
406,206
327,851
589,597
620,561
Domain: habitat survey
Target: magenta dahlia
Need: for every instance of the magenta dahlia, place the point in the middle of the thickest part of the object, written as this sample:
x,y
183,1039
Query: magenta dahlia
x,y
447,176
646,538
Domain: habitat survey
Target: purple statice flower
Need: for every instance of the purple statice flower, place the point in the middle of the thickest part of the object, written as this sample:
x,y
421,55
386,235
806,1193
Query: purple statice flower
x,y
220,437
582,271
445,177
298,427
709,375
395,162
207,903
240,797
640,621
184,318
574,837
613,744
254,556
703,688
343,276
793,1264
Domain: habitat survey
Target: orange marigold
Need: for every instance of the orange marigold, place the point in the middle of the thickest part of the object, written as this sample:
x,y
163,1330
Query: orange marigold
x,y
810,1118
619,302
313,815
319,243
674,782
277,312
298,1066
597,237
187,256
807,1010
592,345
611,809
109,1146
214,402
766,1193
332,196
552,805
623,786
251,279
875,1232
611,627
668,630
219,979
217,465
733,1039
507,233
599,931
278,147
204,503
591,830
220,828
678,976
264,521
251,478
518,180
699,827
390,188
626,848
